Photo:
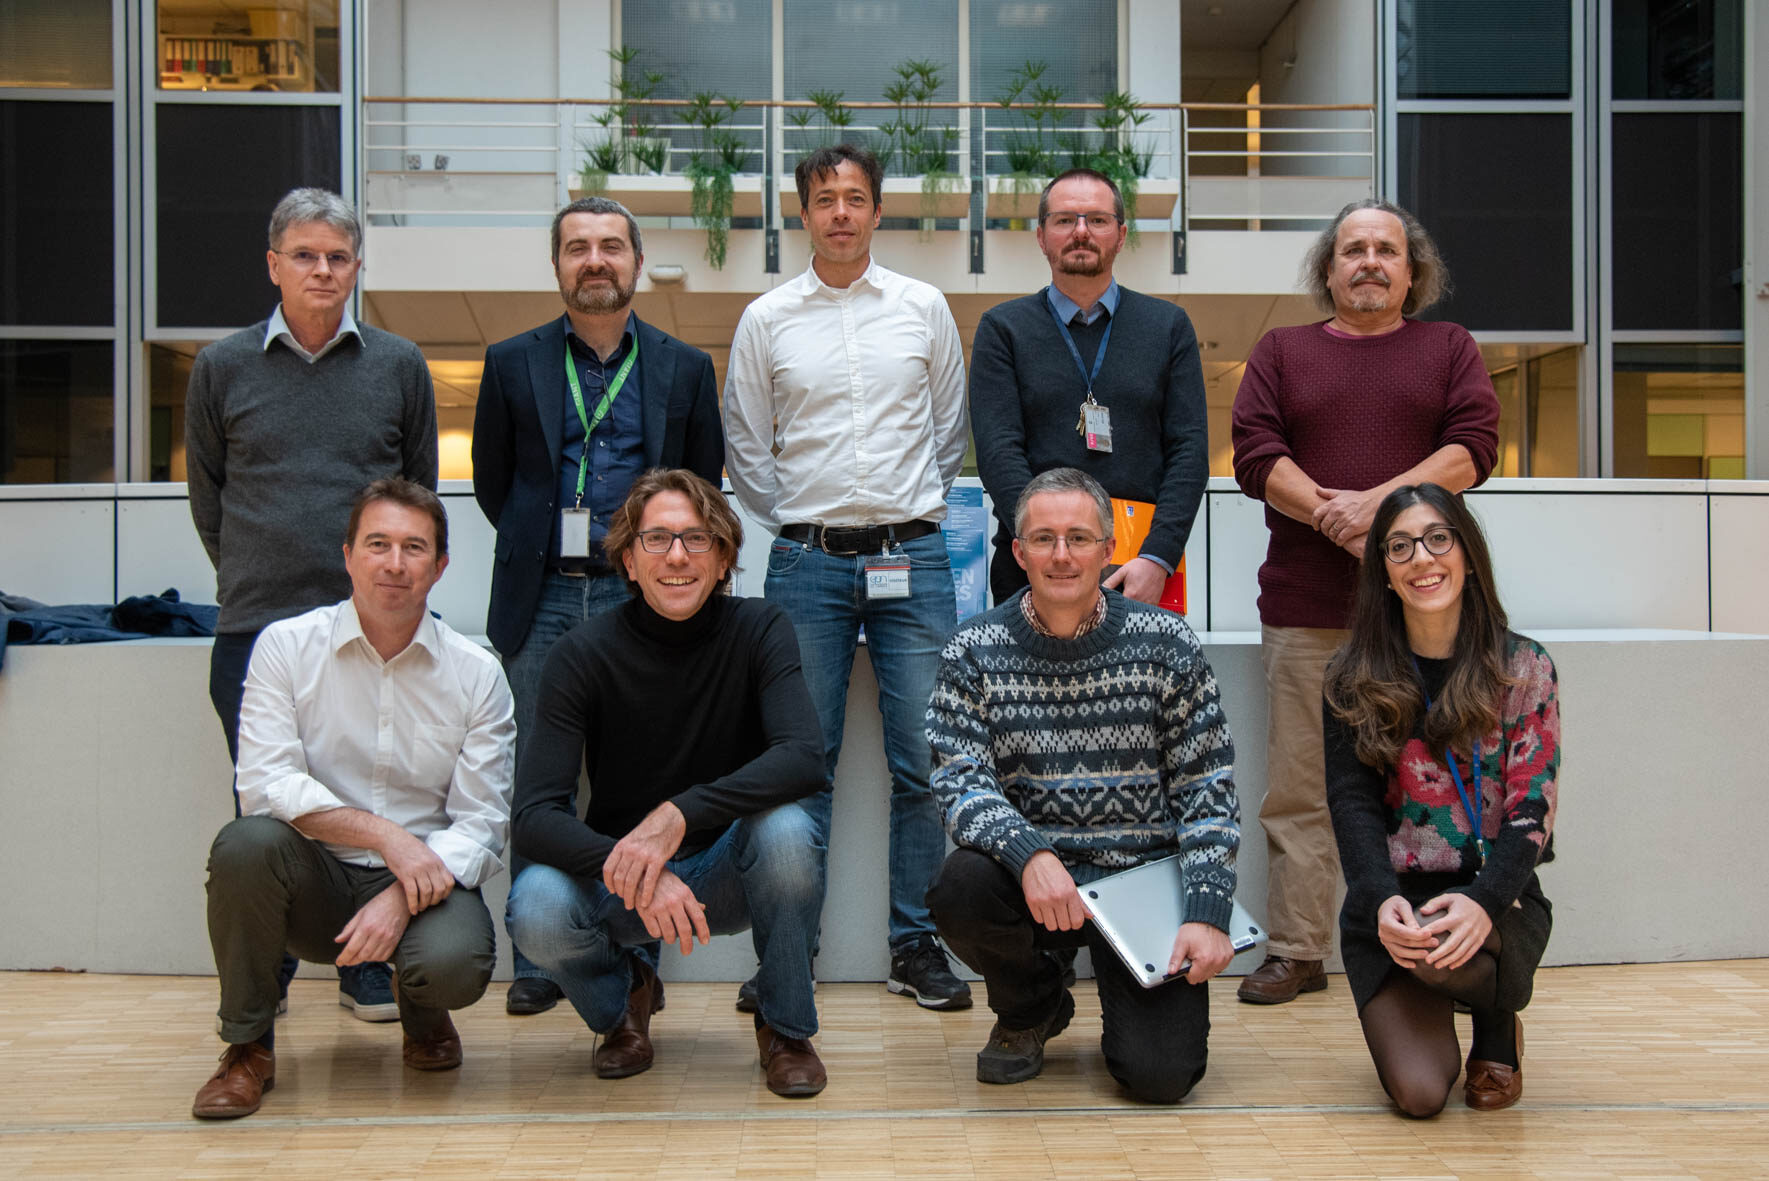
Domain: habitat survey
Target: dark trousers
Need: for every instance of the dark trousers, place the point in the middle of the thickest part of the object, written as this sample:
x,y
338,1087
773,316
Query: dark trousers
x,y
1155,1039
228,661
273,890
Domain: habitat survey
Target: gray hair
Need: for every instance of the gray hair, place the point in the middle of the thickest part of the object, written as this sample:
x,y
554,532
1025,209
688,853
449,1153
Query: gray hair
x,y
596,205
1064,479
1083,174
1431,278
302,206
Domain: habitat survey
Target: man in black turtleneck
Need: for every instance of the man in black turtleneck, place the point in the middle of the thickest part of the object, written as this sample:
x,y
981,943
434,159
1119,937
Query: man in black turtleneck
x,y
689,711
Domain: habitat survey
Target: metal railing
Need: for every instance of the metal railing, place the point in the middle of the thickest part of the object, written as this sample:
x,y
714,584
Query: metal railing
x,y
460,160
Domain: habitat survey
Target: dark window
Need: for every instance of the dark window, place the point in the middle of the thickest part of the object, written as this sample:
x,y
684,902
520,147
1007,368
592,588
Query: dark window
x,y
221,171
1486,49
57,422
1495,191
1677,48
59,43
56,262
1678,244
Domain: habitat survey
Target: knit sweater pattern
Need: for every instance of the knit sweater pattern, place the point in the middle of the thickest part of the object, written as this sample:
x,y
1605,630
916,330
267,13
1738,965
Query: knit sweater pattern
x,y
1411,820
1110,750
277,450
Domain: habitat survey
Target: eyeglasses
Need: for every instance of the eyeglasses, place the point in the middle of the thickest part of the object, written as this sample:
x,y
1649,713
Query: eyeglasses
x,y
1064,223
1439,541
306,260
1080,544
658,541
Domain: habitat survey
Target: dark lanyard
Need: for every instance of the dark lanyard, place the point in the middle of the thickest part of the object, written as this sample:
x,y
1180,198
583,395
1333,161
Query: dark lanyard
x,y
1470,805
1099,358
577,398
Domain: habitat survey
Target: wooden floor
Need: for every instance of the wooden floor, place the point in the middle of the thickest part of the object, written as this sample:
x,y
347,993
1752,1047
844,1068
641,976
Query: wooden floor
x,y
1648,1071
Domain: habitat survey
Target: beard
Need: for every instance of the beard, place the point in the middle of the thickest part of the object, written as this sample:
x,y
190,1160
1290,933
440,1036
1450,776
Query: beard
x,y
1368,301
1080,262
592,301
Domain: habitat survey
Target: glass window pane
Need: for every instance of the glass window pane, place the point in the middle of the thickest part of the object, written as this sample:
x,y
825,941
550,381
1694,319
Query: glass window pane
x,y
59,43
1679,411
57,421
56,260
911,48
1679,234
1077,46
1677,48
1490,49
212,218
272,45
1495,191
712,47
1554,414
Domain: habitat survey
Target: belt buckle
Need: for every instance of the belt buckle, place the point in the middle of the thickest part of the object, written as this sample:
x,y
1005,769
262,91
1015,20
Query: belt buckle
x,y
845,553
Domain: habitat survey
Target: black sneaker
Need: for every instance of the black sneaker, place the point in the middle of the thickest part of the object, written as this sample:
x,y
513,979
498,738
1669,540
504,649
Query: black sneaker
x,y
1015,1055
748,999
922,971
367,991
529,995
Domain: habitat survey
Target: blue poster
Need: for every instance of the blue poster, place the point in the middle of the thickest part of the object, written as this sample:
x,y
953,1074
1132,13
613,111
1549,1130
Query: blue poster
x,y
967,541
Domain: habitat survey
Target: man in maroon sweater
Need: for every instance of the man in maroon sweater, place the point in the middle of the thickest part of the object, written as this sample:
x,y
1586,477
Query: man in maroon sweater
x,y
1329,419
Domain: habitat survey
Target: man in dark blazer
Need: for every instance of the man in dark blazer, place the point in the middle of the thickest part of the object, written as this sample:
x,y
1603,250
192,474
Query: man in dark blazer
x,y
632,398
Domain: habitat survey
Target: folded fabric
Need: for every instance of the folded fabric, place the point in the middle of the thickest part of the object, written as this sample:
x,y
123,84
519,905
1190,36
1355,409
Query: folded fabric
x,y
138,618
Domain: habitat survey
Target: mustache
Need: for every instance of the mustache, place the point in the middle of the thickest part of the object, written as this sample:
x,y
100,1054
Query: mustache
x,y
1371,276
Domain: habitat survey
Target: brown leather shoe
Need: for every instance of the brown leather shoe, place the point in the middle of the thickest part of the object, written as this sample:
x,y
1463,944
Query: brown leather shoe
x,y
1279,979
237,1087
1493,1086
794,1070
626,1049
438,1050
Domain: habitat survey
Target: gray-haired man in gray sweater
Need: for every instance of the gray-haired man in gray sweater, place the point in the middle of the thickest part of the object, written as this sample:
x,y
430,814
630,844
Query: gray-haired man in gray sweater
x,y
283,423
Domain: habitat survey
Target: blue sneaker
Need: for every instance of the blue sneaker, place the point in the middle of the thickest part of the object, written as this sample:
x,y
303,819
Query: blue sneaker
x,y
367,991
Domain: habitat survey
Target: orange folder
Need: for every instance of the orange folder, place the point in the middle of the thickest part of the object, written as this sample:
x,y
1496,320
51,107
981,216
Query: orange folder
x,y
1130,528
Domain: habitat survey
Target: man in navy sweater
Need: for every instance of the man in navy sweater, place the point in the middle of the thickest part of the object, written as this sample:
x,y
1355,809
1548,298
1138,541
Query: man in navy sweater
x,y
1051,369
689,710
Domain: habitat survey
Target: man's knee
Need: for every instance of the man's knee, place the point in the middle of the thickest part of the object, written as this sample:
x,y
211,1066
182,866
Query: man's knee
x,y
247,846
540,911
1152,1076
783,858
963,888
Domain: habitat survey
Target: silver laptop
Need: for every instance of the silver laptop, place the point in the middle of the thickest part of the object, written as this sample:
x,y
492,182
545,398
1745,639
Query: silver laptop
x,y
1138,911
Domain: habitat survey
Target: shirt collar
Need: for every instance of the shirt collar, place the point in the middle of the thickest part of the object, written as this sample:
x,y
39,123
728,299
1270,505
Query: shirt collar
x,y
278,328
626,336
1066,307
347,629
870,277
1094,618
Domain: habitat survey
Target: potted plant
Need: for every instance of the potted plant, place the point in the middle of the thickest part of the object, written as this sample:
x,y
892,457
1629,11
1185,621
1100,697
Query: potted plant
x,y
919,148
629,142
1031,150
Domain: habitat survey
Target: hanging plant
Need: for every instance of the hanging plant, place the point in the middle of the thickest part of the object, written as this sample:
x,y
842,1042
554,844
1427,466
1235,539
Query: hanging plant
x,y
1120,155
717,155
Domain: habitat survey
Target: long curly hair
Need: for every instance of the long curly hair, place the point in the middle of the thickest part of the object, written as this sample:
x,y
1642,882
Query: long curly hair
x,y
1371,682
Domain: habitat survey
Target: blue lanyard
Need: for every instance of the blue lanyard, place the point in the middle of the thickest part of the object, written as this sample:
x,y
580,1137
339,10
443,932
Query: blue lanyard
x,y
1099,358
1470,805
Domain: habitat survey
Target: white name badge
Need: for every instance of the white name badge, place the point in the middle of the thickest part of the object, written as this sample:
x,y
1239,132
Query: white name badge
x,y
1096,427
574,533
887,579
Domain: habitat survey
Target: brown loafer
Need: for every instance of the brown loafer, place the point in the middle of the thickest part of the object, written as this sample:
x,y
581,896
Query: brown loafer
x,y
626,1049
1279,979
794,1070
1493,1086
237,1087
440,1049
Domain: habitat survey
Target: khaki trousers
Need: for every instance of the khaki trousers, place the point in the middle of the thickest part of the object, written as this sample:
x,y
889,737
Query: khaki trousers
x,y
1302,859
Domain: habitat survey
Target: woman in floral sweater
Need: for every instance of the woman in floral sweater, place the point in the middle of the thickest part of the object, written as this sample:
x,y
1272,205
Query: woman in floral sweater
x,y
1442,747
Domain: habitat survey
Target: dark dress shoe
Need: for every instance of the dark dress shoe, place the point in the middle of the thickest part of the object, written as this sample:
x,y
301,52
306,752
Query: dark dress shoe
x,y
794,1070
531,995
1279,979
237,1087
1493,1086
440,1049
626,1049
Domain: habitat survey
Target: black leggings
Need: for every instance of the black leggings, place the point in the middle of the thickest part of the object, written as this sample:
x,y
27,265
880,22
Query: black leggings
x,y
1410,1028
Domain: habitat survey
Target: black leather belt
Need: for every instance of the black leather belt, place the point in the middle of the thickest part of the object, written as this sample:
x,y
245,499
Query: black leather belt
x,y
585,572
846,540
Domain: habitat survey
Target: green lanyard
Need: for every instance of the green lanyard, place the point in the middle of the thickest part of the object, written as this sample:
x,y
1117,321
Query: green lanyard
x,y
591,423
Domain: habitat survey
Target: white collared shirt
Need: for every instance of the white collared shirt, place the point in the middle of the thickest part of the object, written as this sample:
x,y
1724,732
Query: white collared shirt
x,y
861,392
278,329
425,740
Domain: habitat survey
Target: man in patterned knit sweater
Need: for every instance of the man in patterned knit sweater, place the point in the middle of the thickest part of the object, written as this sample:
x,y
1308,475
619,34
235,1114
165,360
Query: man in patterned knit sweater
x,y
1077,733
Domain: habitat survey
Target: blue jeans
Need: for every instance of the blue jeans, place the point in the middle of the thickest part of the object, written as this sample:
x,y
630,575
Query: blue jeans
x,y
564,603
765,872
825,597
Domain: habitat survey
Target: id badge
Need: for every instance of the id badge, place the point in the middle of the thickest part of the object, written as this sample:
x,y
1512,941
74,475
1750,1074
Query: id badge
x,y
574,533
1096,427
887,578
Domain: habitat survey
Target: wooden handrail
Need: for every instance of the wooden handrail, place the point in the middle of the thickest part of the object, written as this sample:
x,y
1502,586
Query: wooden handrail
x,y
867,106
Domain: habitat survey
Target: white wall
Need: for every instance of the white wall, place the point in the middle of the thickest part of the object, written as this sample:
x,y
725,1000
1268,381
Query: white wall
x,y
1322,51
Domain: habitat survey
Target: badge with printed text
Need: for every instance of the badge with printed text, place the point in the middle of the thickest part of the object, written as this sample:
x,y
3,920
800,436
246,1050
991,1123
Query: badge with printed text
x,y
1096,426
887,577
574,533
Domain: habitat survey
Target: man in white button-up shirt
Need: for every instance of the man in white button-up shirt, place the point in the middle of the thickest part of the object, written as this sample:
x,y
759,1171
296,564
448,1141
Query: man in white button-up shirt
x,y
374,777
845,425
